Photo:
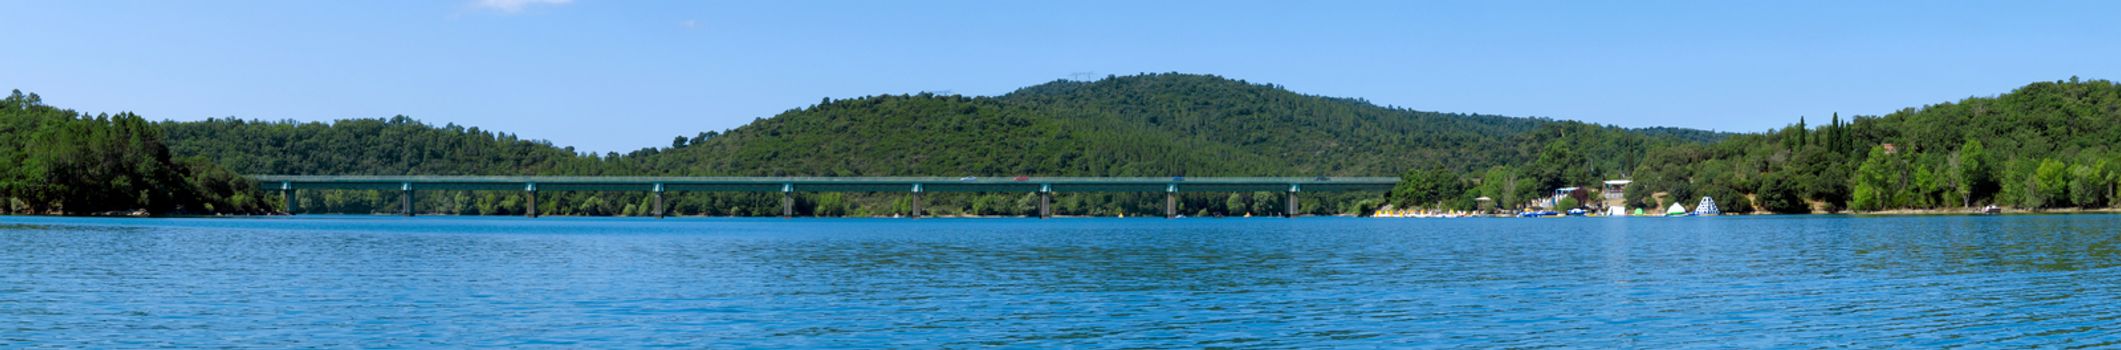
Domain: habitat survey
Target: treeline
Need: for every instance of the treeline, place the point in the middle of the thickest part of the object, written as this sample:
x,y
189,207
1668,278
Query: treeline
x,y
395,146
1562,154
2046,145
58,161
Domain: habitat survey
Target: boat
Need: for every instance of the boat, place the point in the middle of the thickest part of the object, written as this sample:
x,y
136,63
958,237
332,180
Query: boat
x,y
1534,214
1991,210
1676,210
1576,212
1619,211
1707,207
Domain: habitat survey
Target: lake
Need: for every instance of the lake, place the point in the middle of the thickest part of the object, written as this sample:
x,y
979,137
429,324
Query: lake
x,y
1748,282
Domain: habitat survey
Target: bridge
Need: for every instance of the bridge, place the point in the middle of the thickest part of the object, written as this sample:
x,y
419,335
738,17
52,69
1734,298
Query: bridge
x,y
788,186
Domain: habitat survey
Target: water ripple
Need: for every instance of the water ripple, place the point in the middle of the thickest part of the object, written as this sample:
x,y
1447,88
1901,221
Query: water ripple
x,y
2042,281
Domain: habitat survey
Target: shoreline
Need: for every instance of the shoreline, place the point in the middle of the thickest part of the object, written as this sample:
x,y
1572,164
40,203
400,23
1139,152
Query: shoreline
x,y
1890,212
2006,211
669,216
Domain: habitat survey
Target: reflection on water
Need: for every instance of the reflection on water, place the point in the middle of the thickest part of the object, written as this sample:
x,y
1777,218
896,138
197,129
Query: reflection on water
x,y
1303,283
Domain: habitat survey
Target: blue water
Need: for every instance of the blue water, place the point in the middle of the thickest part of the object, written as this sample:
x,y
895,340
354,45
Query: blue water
x,y
344,281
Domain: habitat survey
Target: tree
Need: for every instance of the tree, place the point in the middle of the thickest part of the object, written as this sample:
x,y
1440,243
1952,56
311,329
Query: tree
x,y
2088,185
1559,166
1819,174
2051,183
1874,182
1779,194
1924,187
1501,184
2113,183
1427,188
1833,134
1970,171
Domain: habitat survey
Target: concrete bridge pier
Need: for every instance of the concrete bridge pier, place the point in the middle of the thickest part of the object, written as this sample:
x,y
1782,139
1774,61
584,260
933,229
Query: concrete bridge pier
x,y
787,205
406,199
1045,201
1170,205
287,196
1292,210
916,201
659,201
530,193
1171,201
787,201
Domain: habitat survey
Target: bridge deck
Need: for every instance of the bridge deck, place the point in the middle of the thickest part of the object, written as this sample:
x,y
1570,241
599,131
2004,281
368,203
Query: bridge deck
x,y
830,184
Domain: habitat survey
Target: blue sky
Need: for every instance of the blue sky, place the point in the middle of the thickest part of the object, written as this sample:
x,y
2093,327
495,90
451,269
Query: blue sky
x,y
619,75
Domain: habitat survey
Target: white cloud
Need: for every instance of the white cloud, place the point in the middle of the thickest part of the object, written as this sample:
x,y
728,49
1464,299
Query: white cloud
x,y
689,24
514,6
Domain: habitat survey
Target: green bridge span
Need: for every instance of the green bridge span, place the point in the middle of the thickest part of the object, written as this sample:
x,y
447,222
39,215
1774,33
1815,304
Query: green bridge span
x,y
787,186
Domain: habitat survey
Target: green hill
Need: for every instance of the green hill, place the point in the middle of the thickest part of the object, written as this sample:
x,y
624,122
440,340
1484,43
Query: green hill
x,y
58,161
2044,145
1143,125
395,146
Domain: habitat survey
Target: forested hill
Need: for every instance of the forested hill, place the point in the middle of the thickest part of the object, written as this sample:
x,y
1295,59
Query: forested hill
x,y
1144,125
2044,145
1303,134
395,146
58,161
